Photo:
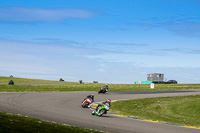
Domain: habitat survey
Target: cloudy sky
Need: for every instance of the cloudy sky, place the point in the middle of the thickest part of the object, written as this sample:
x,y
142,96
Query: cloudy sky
x,y
110,41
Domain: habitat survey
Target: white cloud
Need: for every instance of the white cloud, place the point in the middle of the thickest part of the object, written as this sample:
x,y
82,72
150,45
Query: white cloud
x,y
25,14
101,70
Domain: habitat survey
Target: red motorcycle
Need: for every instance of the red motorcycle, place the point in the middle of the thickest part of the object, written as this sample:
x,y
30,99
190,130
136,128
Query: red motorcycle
x,y
86,102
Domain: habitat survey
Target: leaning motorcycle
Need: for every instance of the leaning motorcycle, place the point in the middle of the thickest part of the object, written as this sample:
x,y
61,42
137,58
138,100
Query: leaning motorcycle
x,y
103,90
86,102
101,110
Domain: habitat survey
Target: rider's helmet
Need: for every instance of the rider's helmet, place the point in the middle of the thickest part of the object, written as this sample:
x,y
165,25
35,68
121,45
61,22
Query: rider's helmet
x,y
108,100
92,95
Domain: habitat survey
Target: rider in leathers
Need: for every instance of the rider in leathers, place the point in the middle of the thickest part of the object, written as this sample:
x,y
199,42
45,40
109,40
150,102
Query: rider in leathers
x,y
90,96
103,89
107,101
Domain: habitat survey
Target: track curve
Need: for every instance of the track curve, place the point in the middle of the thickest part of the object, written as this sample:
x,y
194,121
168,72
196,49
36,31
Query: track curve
x,y
65,107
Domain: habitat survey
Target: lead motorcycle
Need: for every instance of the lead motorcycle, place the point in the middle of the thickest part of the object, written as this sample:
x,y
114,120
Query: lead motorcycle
x,y
101,110
86,102
103,90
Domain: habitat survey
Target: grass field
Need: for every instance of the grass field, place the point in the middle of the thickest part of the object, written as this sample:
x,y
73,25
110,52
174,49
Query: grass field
x,y
76,86
19,124
182,110
25,80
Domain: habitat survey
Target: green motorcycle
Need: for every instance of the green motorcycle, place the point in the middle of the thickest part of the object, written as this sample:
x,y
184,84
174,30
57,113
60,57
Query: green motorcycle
x,y
101,110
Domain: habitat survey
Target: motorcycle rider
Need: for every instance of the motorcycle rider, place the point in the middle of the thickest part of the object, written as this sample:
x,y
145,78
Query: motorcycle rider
x,y
108,101
106,86
103,89
90,96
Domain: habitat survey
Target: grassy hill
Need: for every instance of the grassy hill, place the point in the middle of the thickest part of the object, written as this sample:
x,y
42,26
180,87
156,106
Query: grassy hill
x,y
25,80
49,85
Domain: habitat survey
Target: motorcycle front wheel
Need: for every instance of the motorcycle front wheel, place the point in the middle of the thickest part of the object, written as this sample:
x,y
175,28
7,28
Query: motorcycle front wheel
x,y
101,112
84,105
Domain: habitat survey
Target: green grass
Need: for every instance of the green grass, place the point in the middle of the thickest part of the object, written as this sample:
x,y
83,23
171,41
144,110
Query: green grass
x,y
19,124
182,110
25,80
93,87
49,88
76,86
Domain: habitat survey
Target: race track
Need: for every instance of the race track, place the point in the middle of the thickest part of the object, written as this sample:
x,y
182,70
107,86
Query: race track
x,y
65,107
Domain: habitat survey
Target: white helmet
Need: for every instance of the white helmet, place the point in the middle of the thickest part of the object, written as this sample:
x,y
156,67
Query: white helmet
x,y
108,100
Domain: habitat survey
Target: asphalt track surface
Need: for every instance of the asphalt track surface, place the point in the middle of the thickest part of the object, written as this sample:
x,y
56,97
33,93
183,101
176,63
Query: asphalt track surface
x,y
65,108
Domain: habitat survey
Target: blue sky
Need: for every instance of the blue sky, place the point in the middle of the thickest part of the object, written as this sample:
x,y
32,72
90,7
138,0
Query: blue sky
x,y
110,41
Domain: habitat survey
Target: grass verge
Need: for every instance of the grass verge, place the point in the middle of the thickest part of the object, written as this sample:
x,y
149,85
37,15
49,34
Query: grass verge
x,y
76,86
181,110
25,80
94,87
19,124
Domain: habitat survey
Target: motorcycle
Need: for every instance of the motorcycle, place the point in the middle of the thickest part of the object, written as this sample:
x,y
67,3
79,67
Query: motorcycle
x,y
101,110
86,102
103,90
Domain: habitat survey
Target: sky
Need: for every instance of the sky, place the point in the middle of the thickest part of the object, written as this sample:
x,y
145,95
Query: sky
x,y
109,41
